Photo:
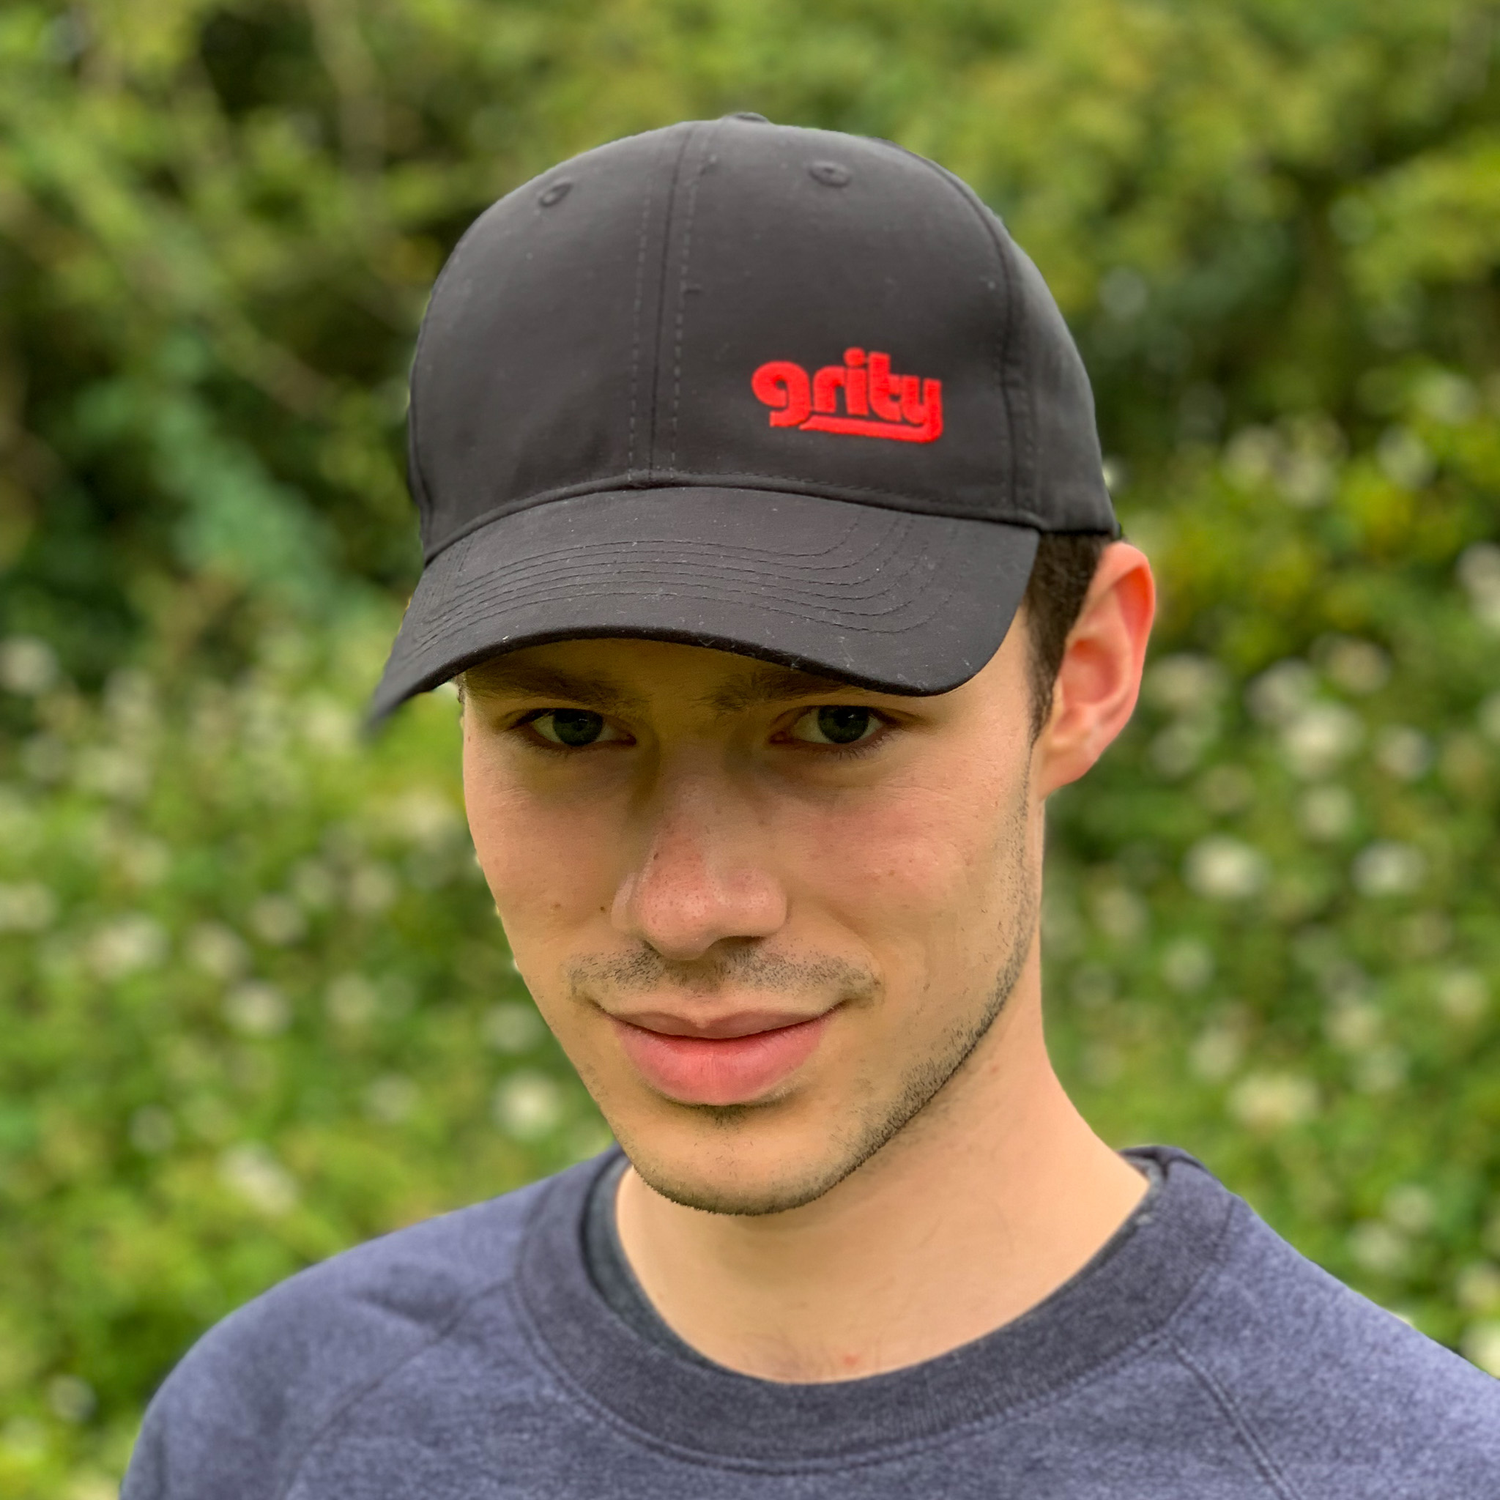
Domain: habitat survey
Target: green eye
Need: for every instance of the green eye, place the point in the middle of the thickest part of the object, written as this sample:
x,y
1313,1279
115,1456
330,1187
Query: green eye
x,y
835,724
574,727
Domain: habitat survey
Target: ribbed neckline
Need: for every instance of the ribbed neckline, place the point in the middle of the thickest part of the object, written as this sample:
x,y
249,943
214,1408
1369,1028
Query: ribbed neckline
x,y
1126,1292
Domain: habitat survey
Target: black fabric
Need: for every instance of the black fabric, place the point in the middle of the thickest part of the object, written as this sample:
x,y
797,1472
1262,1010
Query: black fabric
x,y
869,595
597,334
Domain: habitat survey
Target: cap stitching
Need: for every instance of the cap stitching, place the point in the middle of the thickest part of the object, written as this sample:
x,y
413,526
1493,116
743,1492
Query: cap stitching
x,y
761,597
682,291
635,347
787,484
851,595
416,481
1022,444
666,260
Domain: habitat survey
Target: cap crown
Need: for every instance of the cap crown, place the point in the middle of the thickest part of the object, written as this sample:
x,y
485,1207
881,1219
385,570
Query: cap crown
x,y
676,308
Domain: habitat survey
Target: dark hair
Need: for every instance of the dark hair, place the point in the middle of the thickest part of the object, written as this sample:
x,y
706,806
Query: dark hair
x,y
1060,577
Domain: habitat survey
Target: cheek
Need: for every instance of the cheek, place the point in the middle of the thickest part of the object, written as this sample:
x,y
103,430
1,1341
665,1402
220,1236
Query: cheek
x,y
544,858
917,864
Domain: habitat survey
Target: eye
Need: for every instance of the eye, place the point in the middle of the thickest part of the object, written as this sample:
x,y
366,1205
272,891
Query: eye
x,y
576,728
835,724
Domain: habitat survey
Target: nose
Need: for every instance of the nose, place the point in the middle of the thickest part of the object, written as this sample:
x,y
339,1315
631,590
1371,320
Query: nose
x,y
699,879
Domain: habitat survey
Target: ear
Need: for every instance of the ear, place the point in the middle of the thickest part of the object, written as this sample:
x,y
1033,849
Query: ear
x,y
1100,676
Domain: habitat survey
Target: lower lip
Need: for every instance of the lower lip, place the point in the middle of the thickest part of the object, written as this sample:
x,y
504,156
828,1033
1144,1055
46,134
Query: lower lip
x,y
720,1070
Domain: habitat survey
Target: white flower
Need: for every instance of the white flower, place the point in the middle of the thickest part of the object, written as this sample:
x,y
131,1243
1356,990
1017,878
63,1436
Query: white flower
x,y
1378,1247
1410,1207
256,1008
1271,1101
1318,737
1404,752
1120,913
126,946
70,1398
1224,869
1481,1344
351,1000
328,727
1216,1052
1187,964
1404,458
28,666
528,1105
1479,573
513,1027
152,1130
1326,812
216,950
1353,1026
255,1174
27,907
278,920
1280,691
424,817
372,889
1478,1287
391,1098
1184,683
1388,868
1357,666
1380,1071
110,771
1463,994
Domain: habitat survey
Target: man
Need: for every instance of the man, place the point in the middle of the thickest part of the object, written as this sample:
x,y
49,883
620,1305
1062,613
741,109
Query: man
x,y
766,533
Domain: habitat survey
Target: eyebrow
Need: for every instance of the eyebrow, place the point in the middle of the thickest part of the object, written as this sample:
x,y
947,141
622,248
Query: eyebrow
x,y
767,683
524,679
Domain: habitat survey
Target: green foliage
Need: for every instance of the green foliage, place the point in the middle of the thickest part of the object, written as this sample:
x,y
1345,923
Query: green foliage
x,y
254,1004
257,1008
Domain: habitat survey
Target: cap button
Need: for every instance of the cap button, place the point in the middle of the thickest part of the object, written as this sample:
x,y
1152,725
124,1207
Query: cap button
x,y
829,173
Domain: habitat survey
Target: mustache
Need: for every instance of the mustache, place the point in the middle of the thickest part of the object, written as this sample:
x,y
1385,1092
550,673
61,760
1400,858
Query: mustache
x,y
739,967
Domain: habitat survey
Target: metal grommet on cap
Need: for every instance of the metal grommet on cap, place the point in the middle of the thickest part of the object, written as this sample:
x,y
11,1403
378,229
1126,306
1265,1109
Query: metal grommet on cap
x,y
829,173
555,193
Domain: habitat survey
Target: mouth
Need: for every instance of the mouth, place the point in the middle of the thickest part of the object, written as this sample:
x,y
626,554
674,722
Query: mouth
x,y
735,1059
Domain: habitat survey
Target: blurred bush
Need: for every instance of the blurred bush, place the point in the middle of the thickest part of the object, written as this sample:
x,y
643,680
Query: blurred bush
x,y
257,1007
254,1004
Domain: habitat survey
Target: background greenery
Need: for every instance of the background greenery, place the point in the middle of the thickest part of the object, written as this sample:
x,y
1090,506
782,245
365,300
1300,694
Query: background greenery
x,y
254,1004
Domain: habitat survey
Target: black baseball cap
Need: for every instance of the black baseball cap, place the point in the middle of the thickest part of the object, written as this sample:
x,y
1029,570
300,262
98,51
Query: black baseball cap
x,y
783,392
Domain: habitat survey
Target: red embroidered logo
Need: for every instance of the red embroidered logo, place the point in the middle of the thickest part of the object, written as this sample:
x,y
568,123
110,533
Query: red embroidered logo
x,y
907,409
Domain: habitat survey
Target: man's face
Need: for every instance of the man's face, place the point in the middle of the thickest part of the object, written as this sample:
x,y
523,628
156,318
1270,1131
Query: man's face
x,y
767,915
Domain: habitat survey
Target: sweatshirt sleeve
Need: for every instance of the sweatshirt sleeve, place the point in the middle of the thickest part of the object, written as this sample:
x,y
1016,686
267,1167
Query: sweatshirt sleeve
x,y
239,1414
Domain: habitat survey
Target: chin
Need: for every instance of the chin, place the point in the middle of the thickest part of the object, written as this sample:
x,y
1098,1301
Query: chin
x,y
739,1159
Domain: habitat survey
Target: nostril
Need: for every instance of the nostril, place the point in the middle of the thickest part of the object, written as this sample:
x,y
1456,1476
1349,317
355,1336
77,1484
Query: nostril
x,y
829,173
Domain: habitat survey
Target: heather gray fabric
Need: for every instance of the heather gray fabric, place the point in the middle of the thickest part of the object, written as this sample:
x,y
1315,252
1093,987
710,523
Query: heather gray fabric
x,y
1197,1357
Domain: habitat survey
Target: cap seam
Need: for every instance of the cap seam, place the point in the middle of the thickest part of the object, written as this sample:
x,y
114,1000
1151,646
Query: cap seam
x,y
1022,444
682,293
661,295
775,484
635,346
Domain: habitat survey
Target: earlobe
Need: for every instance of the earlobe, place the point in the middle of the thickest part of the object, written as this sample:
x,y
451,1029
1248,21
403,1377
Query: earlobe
x,y
1099,678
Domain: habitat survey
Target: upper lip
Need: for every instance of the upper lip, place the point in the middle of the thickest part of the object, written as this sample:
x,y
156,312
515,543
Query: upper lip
x,y
739,1023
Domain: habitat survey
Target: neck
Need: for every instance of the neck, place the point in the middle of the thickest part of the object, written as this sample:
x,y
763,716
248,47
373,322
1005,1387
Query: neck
x,y
985,1204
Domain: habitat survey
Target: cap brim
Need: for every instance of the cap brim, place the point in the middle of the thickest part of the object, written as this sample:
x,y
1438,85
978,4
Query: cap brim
x,y
887,599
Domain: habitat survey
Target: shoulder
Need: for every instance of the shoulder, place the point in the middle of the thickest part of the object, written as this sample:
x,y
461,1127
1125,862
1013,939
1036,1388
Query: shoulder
x,y
1340,1396
236,1415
